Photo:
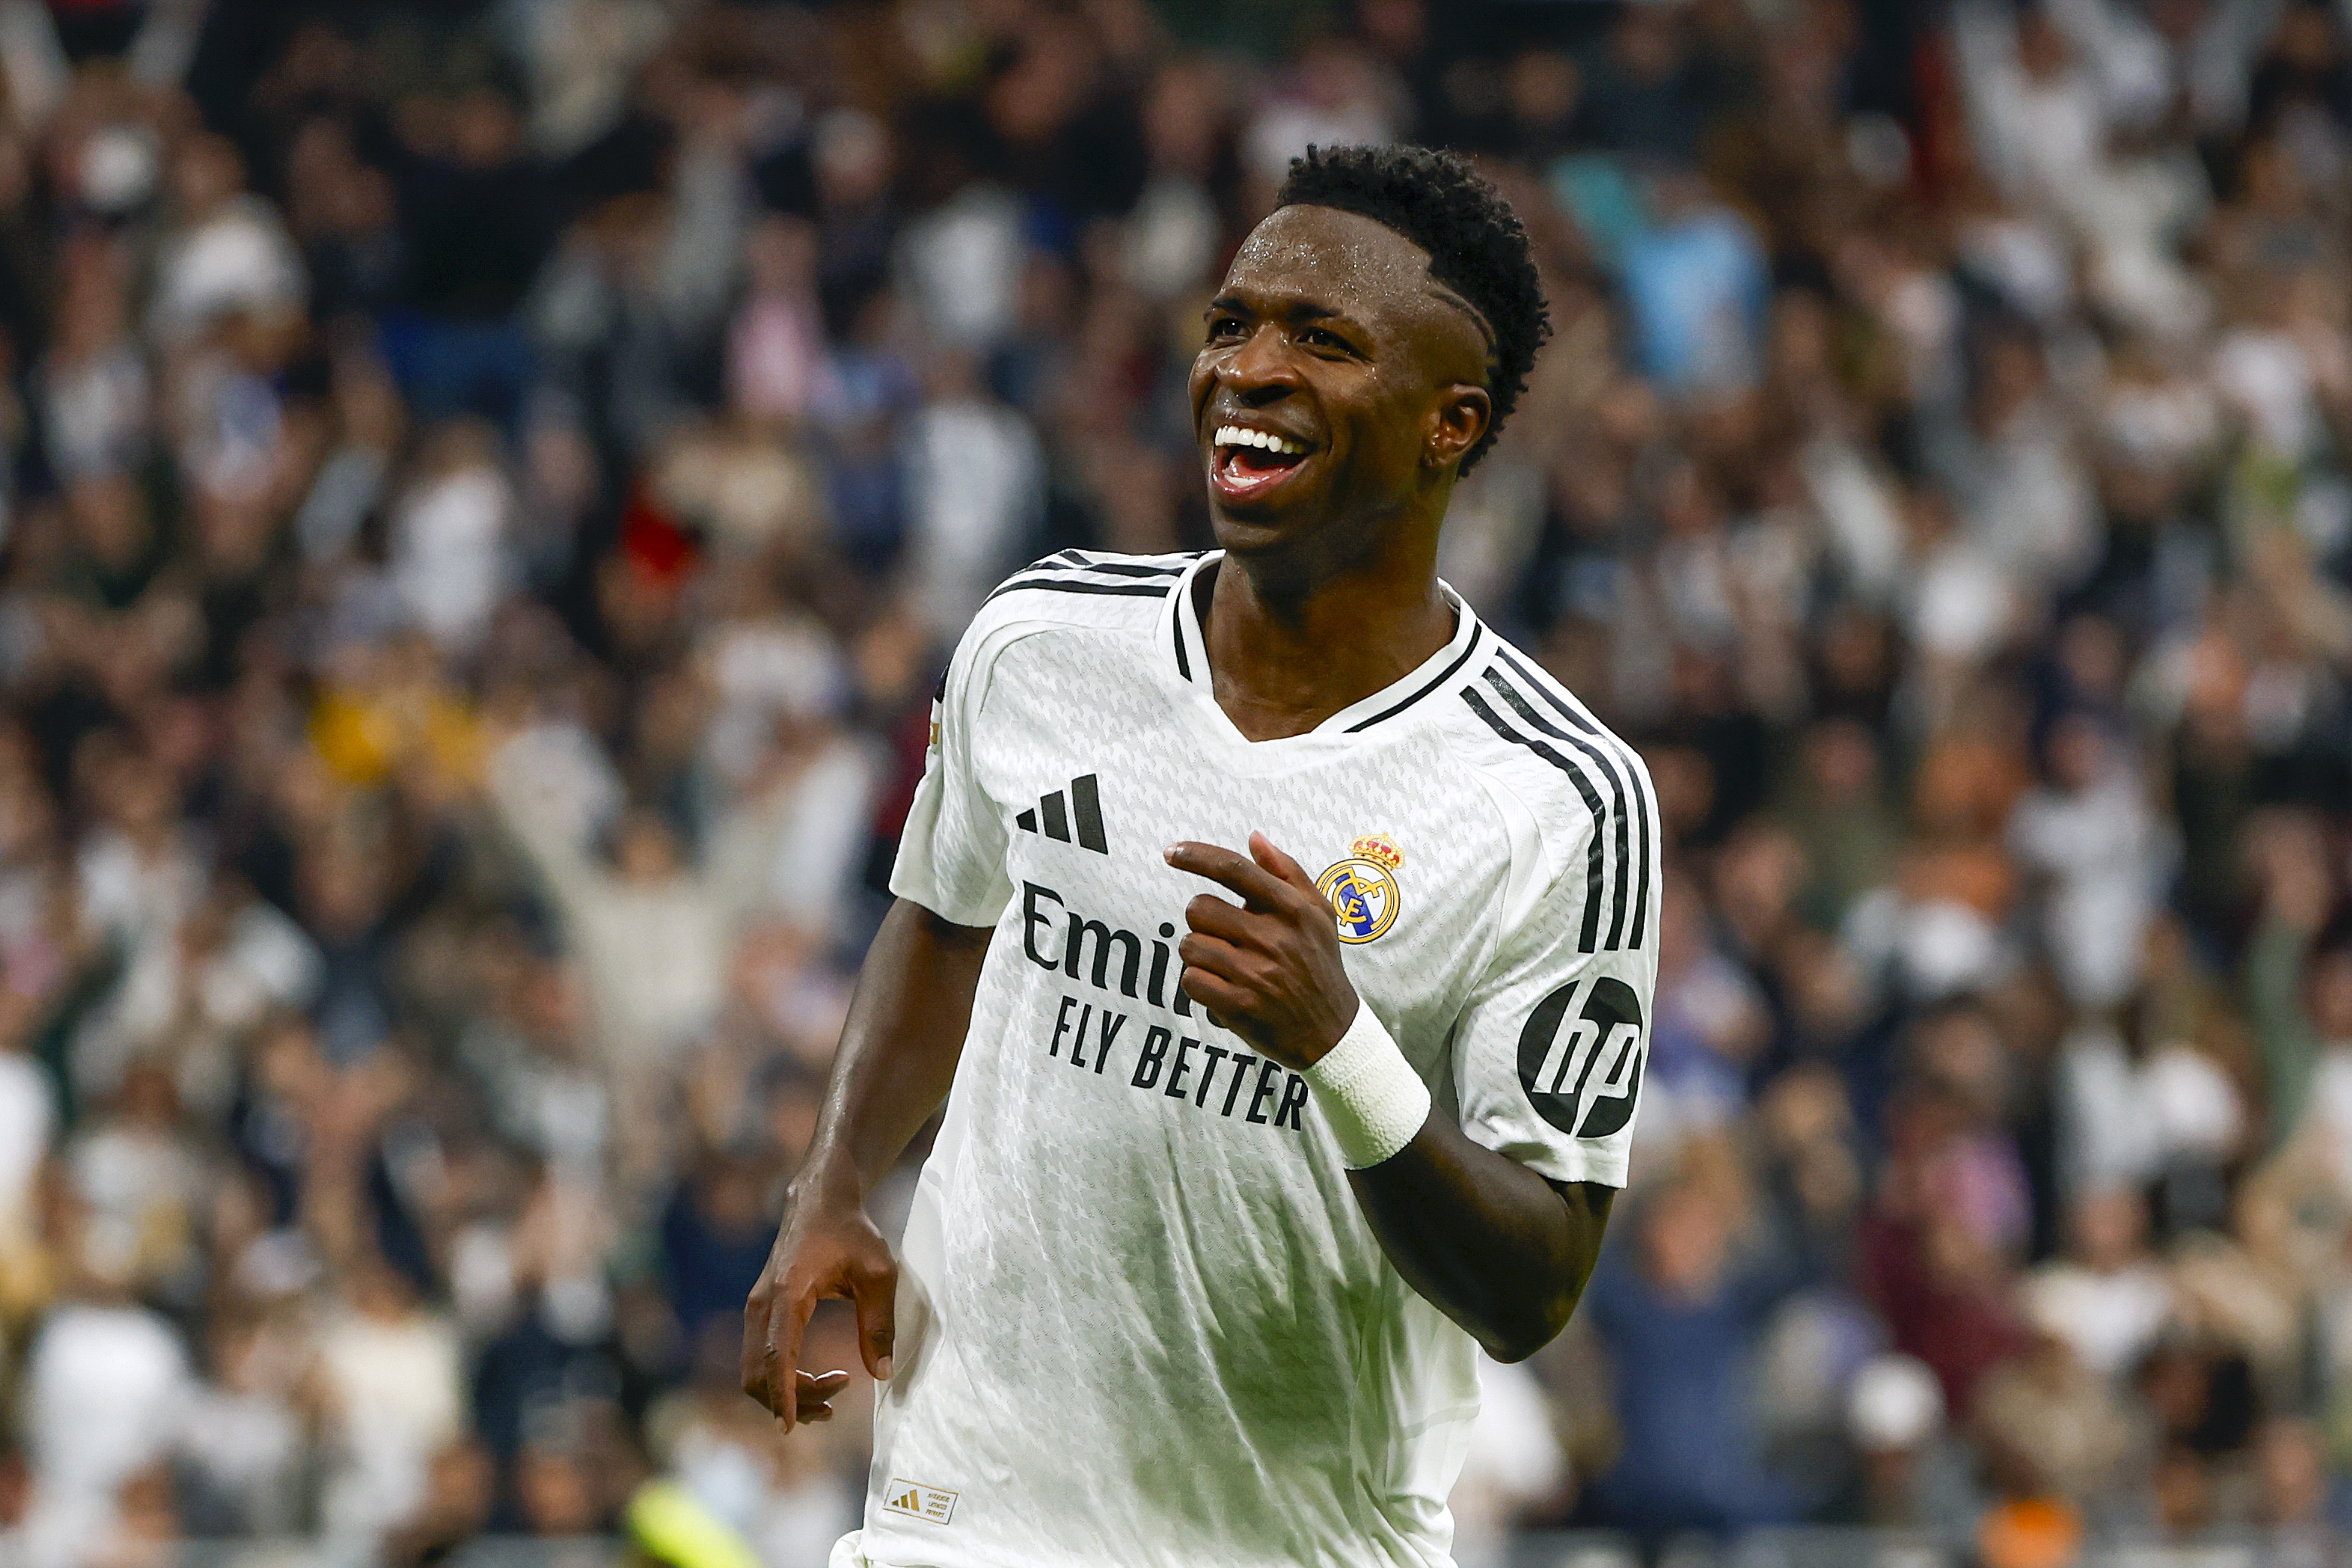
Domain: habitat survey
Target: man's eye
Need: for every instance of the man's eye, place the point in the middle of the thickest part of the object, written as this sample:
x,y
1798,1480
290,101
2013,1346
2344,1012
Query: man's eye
x,y
1316,337
1224,327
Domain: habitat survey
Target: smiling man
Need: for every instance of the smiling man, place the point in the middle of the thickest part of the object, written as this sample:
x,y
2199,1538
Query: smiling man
x,y
1286,941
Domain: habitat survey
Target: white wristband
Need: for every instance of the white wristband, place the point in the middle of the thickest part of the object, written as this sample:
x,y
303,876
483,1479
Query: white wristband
x,y
1371,1095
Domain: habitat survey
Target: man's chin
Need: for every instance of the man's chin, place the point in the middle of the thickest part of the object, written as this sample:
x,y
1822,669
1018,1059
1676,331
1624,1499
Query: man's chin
x,y
1257,530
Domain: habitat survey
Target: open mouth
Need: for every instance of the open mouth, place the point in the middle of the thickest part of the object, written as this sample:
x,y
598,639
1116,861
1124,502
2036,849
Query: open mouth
x,y
1245,463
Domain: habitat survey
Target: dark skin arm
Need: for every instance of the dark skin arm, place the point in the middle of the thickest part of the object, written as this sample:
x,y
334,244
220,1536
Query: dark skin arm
x,y
1497,1248
897,1056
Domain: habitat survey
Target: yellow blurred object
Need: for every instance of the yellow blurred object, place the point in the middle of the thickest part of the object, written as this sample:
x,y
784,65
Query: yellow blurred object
x,y
29,1279
364,738
669,1524
2031,1532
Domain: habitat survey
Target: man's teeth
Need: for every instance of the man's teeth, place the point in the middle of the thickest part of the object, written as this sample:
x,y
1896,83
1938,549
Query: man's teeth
x,y
1235,436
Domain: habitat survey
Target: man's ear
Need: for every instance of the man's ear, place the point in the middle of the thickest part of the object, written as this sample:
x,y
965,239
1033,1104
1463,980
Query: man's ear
x,y
1461,419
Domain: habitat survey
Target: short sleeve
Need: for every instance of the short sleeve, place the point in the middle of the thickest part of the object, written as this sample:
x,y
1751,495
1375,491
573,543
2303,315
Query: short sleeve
x,y
952,853
1548,1053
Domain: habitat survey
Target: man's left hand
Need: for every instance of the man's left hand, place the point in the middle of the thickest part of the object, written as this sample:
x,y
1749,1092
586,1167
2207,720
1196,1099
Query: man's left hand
x,y
1268,968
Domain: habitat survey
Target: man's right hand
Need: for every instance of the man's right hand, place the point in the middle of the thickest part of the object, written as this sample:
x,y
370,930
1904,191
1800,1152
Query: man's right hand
x,y
827,1245
896,1057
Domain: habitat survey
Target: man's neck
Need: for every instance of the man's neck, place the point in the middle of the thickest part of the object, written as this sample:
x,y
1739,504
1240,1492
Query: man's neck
x,y
1280,663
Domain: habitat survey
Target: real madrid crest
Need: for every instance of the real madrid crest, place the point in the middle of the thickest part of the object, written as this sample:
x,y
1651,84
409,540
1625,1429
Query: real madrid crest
x,y
1363,887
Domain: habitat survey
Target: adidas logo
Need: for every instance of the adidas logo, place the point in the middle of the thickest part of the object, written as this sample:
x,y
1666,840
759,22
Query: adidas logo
x,y
933,1503
1082,808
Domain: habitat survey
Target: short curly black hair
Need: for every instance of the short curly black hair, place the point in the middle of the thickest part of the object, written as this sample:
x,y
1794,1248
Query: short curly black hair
x,y
1476,245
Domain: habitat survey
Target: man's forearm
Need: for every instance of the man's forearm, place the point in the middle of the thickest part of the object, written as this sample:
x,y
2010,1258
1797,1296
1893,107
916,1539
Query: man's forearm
x,y
1494,1247
900,1046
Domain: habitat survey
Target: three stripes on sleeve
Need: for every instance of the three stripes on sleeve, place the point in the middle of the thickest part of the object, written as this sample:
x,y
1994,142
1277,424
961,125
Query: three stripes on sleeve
x,y
1526,712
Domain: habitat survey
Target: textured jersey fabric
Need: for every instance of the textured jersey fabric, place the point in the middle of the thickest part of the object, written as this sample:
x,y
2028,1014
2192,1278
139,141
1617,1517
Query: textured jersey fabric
x,y
1141,1319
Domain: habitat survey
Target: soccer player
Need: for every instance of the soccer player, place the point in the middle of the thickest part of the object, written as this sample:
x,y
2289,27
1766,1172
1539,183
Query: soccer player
x,y
1286,941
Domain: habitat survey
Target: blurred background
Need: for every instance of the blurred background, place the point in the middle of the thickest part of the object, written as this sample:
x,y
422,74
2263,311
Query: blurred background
x,y
486,490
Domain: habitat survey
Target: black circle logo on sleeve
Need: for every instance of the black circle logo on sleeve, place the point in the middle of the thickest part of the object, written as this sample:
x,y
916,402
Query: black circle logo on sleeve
x,y
1581,1066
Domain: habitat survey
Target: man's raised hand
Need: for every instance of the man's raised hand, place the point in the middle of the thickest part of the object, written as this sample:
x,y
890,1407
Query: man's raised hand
x,y
1268,968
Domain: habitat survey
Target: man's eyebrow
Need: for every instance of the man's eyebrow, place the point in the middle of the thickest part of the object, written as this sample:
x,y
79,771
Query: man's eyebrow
x,y
1297,310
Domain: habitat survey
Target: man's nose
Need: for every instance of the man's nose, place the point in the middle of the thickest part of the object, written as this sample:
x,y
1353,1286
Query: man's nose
x,y
1263,367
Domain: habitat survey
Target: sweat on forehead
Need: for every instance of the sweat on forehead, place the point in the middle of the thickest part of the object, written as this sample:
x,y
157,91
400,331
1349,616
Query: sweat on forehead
x,y
1355,264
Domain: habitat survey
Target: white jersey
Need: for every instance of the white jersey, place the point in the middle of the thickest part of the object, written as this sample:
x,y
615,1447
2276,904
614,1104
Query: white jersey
x,y
1142,1318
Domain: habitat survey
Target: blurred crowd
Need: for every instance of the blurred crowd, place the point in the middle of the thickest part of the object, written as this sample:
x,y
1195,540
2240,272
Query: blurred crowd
x,y
486,489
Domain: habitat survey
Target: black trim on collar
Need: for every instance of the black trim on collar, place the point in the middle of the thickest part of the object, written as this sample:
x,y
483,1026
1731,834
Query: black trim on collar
x,y
1477,631
1078,585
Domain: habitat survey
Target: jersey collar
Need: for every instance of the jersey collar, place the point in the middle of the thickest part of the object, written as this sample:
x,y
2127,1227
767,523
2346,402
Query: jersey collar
x,y
1186,650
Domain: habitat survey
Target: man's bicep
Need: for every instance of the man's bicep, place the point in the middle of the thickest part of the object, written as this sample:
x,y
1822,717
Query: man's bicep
x,y
950,934
1589,1204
